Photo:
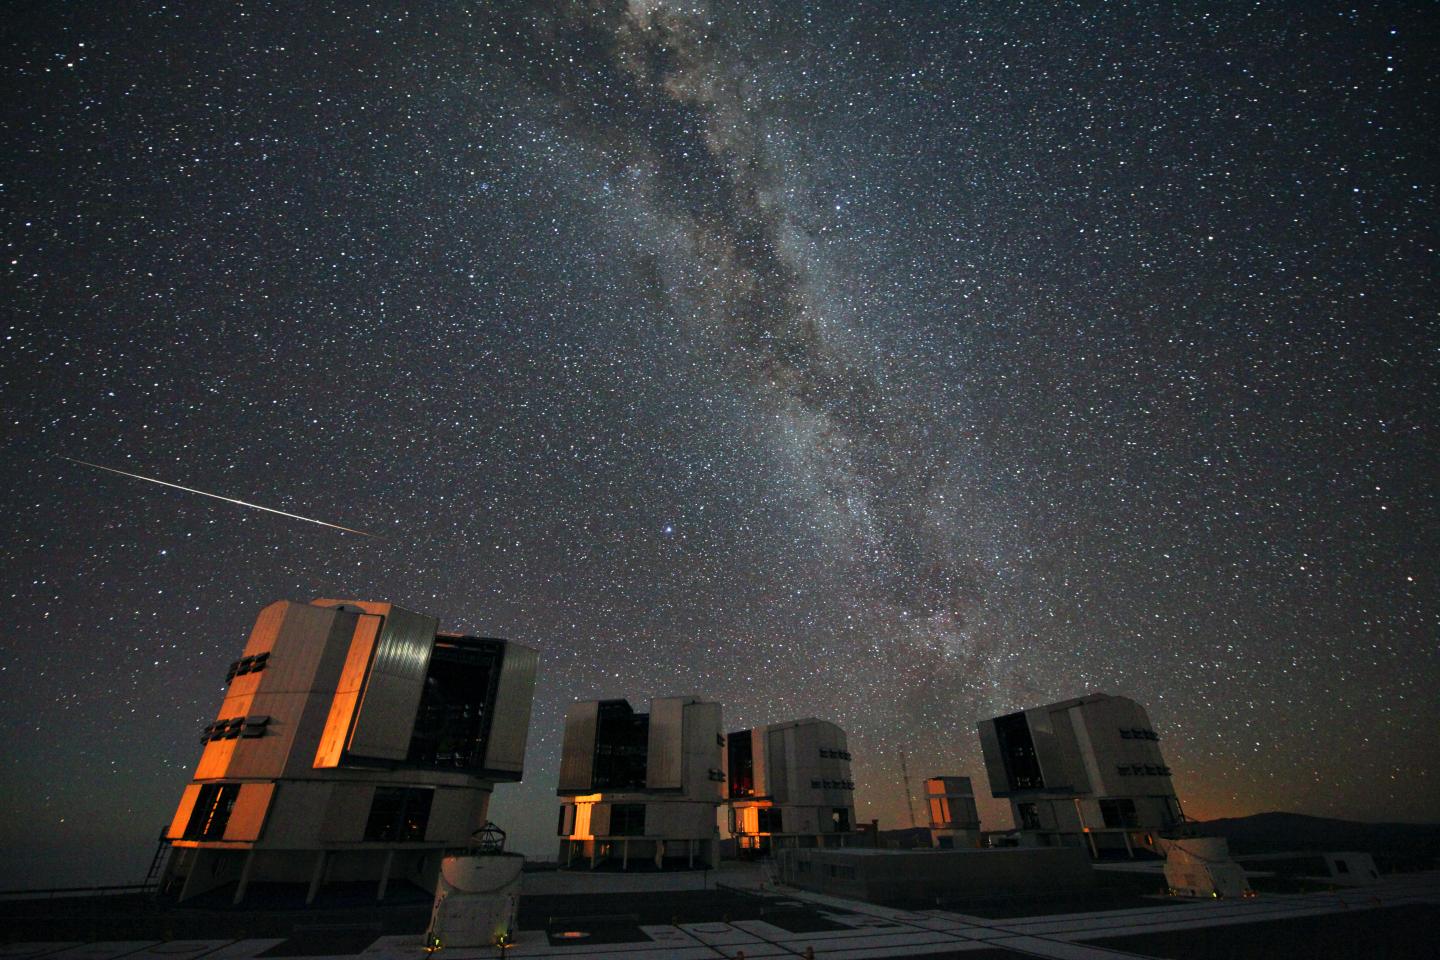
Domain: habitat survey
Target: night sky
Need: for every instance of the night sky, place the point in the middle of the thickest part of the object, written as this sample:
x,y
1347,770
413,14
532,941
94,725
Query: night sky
x,y
895,364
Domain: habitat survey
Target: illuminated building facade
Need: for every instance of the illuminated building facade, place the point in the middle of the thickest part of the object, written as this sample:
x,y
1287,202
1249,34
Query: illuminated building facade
x,y
1086,771
789,786
355,742
954,819
641,787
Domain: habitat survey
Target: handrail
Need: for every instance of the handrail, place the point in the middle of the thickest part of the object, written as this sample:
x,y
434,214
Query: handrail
x,y
50,893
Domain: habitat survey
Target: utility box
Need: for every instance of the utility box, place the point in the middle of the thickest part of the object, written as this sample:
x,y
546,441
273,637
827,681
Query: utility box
x,y
476,900
1201,867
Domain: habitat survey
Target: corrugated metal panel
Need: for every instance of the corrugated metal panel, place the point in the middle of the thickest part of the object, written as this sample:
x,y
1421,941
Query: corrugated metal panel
x,y
1088,779
760,752
396,679
666,747
577,759
994,763
215,760
600,820
347,692
182,812
451,816
510,717
702,750
247,817
1049,751
780,748
296,649
347,812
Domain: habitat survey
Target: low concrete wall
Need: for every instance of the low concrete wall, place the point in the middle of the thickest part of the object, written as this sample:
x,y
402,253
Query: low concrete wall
x,y
881,875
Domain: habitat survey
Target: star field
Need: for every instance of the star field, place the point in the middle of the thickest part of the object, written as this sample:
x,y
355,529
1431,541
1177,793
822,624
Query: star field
x,y
895,364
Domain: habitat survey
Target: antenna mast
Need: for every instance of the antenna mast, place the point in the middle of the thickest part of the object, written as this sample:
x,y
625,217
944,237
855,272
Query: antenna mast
x,y
909,797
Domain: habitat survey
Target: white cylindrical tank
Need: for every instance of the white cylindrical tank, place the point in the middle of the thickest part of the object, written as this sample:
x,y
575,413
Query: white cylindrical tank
x,y
476,899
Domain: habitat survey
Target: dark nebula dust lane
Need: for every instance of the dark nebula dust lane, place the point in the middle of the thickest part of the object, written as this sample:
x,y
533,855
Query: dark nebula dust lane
x,y
895,365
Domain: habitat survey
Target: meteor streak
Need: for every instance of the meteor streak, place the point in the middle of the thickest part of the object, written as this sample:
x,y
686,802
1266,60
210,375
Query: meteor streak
x,y
253,506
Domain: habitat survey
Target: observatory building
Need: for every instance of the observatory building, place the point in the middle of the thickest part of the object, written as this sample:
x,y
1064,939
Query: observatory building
x,y
954,820
789,786
355,742
641,786
1086,771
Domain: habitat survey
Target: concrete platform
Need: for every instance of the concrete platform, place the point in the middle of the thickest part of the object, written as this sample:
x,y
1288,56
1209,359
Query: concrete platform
x,y
1397,918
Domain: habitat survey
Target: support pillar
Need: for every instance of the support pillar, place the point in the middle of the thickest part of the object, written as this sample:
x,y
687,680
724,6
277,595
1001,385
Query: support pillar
x,y
244,882
690,849
625,854
385,875
1129,850
192,886
317,876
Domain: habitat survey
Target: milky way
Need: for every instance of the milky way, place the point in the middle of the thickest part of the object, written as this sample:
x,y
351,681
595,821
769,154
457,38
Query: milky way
x,y
897,365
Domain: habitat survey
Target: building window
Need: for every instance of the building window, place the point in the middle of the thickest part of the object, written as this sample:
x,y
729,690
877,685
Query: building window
x,y
840,819
1029,816
1017,750
742,764
939,810
211,812
399,813
452,723
1119,813
770,820
622,743
627,820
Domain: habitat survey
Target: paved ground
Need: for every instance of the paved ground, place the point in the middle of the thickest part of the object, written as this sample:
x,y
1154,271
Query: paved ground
x,y
1397,918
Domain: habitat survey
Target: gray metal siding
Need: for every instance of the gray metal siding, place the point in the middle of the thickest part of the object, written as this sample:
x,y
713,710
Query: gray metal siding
x,y
666,748
994,763
392,689
1049,751
510,723
577,759
703,752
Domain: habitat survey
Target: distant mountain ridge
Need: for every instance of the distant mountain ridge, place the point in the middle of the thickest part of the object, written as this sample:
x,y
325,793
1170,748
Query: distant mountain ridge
x,y
1396,846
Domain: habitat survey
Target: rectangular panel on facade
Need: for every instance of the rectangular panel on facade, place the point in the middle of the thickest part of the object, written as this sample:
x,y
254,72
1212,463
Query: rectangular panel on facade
x,y
702,751
599,819
347,692
666,754
1087,775
577,763
247,817
386,715
1049,751
510,723
780,761
182,813
994,761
